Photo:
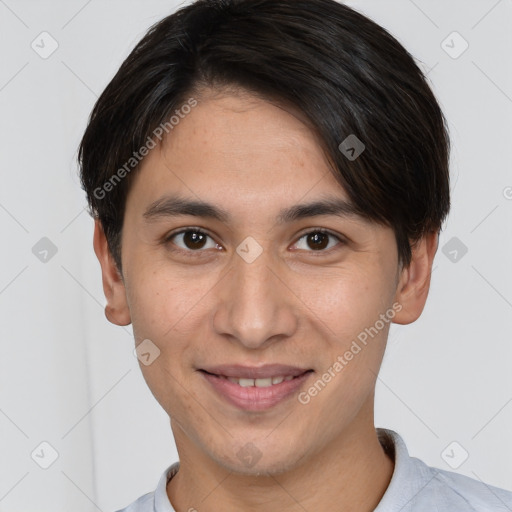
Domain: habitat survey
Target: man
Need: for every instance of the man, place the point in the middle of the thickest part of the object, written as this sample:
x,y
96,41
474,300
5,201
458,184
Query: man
x,y
269,179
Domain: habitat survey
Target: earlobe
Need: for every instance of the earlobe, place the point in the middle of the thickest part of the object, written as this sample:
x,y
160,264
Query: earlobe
x,y
414,282
116,310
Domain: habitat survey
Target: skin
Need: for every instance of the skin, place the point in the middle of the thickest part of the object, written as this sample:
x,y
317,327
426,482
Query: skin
x,y
293,305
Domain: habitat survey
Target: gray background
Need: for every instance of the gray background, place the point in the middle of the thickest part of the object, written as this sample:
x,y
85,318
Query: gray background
x,y
69,378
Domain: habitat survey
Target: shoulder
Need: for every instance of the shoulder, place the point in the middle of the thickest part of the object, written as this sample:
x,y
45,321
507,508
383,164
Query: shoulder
x,y
417,487
143,504
157,500
469,494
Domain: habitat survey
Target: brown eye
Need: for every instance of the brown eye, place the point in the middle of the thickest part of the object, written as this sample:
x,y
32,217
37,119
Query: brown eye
x,y
191,240
317,240
194,239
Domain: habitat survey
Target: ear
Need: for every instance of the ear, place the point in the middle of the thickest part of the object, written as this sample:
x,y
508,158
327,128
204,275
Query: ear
x,y
414,281
116,310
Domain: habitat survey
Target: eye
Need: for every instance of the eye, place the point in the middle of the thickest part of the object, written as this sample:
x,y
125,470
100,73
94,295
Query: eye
x,y
195,239
192,240
318,240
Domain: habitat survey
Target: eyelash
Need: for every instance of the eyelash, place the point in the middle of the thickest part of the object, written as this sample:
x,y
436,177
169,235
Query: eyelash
x,y
198,252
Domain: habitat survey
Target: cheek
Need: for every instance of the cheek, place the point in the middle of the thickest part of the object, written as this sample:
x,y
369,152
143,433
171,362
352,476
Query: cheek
x,y
162,304
163,312
169,311
343,302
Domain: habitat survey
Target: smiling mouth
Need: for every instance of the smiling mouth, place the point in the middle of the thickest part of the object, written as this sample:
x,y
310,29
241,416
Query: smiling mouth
x,y
264,382
256,389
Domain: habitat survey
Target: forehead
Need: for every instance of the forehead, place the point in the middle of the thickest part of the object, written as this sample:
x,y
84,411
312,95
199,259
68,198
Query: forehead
x,y
228,129
237,150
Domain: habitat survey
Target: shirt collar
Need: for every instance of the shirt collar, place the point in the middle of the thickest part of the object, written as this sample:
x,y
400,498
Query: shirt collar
x,y
162,503
410,476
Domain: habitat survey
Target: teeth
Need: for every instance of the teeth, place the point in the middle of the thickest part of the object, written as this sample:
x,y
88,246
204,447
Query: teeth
x,y
263,383
259,383
245,383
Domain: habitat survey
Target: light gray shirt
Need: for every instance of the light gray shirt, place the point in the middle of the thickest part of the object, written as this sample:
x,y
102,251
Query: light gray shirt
x,y
414,487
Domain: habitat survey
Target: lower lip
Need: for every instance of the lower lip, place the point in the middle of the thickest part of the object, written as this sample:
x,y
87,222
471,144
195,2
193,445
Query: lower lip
x,y
253,398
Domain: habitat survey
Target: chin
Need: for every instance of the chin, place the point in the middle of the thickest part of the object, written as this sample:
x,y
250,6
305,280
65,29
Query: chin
x,y
250,461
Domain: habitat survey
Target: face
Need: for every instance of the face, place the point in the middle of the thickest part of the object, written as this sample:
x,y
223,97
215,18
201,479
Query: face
x,y
237,293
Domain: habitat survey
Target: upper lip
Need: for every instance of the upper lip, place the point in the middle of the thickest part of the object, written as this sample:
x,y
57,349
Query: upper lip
x,y
255,372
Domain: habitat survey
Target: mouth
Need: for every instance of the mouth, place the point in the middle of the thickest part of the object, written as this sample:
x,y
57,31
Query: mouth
x,y
258,383
255,388
255,372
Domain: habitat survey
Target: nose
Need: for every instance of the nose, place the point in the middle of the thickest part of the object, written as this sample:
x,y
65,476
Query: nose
x,y
254,304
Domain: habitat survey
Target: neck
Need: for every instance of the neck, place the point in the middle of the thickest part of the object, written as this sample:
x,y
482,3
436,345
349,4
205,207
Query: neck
x,y
353,472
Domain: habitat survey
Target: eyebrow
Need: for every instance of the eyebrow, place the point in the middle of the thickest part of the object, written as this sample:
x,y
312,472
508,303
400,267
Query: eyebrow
x,y
175,206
